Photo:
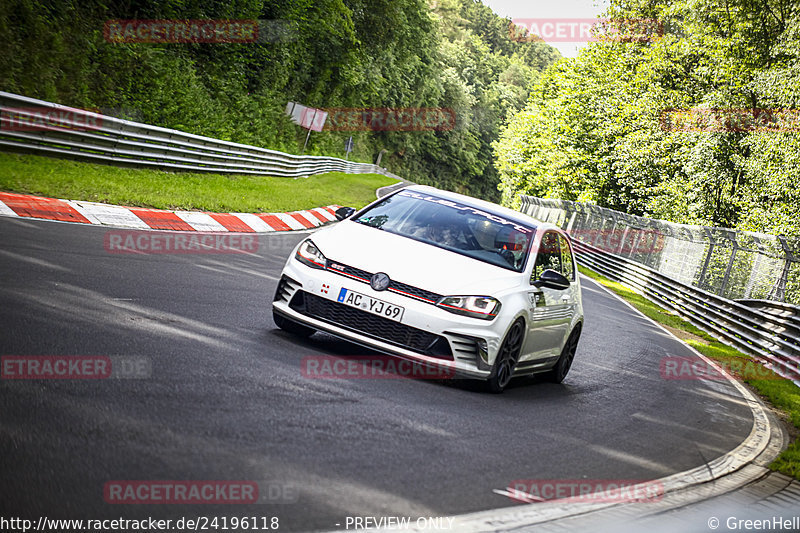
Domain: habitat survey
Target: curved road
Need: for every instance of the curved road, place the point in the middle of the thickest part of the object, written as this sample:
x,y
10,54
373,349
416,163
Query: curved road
x,y
227,401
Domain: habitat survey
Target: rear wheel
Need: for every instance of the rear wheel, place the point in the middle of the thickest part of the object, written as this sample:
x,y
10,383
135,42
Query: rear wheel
x,y
507,357
564,363
291,326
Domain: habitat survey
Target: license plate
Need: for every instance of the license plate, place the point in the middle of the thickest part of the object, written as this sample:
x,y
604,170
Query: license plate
x,y
370,304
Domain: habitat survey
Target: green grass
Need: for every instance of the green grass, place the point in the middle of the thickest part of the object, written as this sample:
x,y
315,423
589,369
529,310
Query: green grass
x,y
74,180
779,392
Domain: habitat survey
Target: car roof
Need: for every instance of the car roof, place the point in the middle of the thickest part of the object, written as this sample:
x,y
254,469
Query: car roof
x,y
518,216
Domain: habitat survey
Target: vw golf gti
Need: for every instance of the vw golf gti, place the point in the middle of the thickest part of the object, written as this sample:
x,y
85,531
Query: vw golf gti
x,y
443,280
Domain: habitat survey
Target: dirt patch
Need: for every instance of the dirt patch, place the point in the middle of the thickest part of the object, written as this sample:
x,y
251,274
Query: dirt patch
x,y
685,335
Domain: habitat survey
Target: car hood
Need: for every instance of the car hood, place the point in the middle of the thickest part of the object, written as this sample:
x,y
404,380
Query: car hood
x,y
412,262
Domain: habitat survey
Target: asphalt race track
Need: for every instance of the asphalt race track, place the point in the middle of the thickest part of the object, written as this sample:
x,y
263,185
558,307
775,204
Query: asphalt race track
x,y
226,399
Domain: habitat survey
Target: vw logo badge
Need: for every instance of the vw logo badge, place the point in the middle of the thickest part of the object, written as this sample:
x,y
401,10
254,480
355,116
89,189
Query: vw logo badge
x,y
379,281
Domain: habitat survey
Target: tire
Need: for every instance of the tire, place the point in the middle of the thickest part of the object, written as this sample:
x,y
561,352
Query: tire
x,y
564,363
291,326
507,358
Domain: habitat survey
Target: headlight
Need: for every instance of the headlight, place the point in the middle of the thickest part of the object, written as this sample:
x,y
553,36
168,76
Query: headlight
x,y
309,255
483,307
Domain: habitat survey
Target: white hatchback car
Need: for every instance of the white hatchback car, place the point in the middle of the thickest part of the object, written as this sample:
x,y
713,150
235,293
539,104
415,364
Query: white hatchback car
x,y
441,279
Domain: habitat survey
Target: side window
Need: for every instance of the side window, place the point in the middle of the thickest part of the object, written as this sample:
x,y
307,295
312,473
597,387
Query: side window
x,y
566,259
548,256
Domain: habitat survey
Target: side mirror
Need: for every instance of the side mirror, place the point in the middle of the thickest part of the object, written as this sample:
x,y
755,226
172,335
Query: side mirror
x,y
344,212
552,280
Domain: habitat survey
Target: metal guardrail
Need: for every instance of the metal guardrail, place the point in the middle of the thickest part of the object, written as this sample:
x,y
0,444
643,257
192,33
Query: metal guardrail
x,y
771,337
780,309
80,134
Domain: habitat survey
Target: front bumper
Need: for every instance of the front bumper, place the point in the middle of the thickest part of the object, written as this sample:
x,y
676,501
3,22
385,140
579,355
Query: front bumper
x,y
427,335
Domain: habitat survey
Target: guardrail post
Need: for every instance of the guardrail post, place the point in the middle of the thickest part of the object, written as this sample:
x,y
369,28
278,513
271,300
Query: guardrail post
x,y
666,235
572,215
602,224
623,239
525,206
734,249
701,279
779,288
636,238
754,268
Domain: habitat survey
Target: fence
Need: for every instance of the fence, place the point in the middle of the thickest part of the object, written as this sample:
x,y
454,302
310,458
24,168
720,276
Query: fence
x,y
677,264
36,126
731,264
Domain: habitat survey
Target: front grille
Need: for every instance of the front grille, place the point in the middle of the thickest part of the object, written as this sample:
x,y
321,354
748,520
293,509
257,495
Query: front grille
x,y
420,294
350,272
399,288
371,325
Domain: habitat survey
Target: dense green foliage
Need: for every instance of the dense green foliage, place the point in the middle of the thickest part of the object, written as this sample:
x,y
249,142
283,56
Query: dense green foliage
x,y
325,53
591,130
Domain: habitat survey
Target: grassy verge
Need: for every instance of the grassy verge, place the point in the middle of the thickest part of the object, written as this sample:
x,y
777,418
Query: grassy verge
x,y
781,393
74,180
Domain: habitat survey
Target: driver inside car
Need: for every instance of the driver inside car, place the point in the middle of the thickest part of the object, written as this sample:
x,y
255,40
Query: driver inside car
x,y
511,245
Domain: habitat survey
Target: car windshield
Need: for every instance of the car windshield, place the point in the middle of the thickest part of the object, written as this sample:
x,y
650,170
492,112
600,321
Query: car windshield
x,y
456,227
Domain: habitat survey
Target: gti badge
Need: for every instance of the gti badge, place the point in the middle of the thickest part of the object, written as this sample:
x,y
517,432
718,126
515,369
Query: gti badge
x,y
379,281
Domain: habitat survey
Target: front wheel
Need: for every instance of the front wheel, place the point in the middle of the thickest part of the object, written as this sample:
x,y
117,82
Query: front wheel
x,y
291,326
564,363
507,357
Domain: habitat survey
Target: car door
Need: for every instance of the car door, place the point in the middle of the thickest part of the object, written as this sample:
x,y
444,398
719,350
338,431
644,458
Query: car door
x,y
550,309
